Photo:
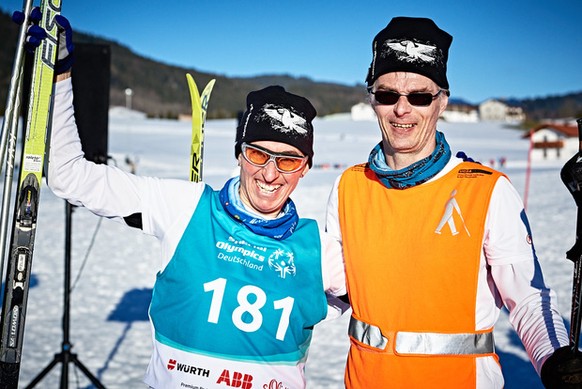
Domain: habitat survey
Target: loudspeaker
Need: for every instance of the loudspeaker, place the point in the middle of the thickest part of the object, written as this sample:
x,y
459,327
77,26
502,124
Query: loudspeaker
x,y
91,75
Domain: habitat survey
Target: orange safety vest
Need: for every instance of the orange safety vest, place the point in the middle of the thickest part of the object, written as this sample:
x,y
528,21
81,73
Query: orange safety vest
x,y
412,262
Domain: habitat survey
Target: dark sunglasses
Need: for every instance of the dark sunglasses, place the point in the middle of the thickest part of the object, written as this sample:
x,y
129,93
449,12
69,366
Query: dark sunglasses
x,y
260,157
418,99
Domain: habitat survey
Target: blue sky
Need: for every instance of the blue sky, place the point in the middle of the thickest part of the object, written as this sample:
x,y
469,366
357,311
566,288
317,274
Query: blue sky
x,y
501,48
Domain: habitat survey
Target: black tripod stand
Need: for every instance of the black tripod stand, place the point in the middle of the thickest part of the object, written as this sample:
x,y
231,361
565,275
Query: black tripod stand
x,y
66,356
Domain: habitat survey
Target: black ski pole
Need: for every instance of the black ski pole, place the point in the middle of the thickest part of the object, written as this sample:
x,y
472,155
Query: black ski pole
x,y
571,175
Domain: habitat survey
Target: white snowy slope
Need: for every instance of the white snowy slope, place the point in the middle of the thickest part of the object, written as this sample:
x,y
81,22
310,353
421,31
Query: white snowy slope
x,y
113,280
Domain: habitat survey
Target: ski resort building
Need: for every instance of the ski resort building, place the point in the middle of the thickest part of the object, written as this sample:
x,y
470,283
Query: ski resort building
x,y
500,111
553,141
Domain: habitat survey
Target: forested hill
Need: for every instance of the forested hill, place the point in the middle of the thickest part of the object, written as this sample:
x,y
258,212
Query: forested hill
x,y
161,90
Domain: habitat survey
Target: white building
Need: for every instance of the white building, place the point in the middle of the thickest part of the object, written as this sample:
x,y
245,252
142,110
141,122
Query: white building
x,y
553,141
363,111
465,113
496,110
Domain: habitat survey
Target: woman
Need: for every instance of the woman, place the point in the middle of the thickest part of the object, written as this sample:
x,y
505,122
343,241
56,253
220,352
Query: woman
x,y
242,277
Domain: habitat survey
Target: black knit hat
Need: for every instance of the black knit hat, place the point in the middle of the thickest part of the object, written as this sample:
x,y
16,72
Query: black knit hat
x,y
415,45
277,115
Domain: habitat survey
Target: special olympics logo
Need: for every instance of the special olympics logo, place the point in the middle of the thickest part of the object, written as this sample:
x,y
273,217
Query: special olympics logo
x,y
282,262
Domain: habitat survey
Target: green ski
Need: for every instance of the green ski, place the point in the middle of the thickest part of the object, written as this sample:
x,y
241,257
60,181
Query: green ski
x,y
27,197
199,110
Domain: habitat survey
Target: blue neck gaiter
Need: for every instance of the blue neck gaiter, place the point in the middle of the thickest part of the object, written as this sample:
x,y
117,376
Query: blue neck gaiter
x,y
415,174
279,228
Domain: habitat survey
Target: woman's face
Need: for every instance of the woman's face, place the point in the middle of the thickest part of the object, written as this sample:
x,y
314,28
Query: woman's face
x,y
266,189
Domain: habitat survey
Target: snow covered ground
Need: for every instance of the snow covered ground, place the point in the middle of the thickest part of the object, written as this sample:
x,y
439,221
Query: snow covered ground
x,y
113,277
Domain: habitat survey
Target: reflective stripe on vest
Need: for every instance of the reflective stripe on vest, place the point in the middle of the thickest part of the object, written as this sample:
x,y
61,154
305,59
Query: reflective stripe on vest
x,y
367,334
423,343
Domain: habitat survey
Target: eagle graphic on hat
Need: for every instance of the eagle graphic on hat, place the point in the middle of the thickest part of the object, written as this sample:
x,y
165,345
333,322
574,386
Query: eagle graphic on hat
x,y
287,119
410,51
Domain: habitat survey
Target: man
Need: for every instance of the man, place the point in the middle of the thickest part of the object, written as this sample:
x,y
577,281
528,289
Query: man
x,y
242,279
434,246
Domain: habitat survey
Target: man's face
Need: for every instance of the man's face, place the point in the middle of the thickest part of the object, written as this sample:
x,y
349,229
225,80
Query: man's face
x,y
408,131
266,189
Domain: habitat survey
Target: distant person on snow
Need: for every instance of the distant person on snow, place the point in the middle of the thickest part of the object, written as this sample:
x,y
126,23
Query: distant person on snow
x,y
435,246
243,278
